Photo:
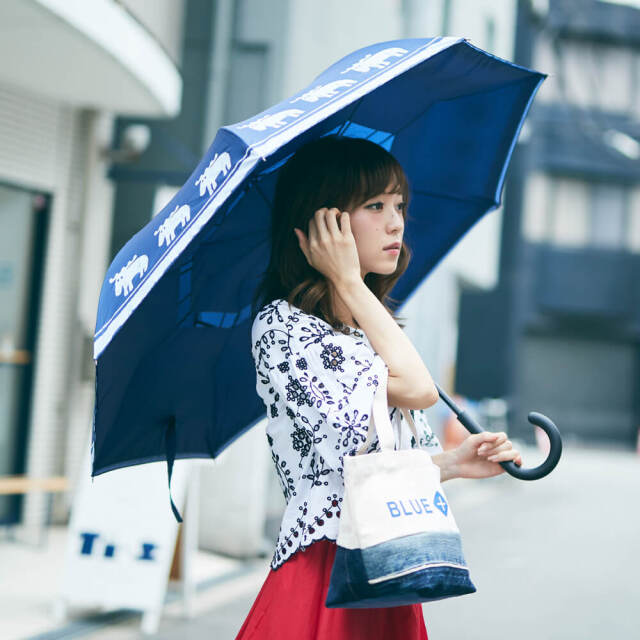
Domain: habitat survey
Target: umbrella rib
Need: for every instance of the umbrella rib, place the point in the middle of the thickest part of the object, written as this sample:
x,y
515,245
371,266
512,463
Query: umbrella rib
x,y
261,192
349,120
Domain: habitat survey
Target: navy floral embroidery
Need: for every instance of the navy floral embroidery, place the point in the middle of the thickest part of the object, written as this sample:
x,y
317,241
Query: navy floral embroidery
x,y
301,440
318,386
316,471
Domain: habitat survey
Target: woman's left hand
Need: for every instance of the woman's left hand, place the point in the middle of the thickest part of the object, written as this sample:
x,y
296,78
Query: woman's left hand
x,y
479,455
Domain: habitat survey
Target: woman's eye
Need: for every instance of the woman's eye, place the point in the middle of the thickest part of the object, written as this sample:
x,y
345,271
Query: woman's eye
x,y
401,205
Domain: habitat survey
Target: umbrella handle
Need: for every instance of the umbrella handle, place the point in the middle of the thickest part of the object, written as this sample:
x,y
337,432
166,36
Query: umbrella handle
x,y
509,466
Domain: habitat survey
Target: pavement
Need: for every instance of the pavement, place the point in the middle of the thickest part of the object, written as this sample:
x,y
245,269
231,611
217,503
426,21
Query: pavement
x,y
28,600
556,558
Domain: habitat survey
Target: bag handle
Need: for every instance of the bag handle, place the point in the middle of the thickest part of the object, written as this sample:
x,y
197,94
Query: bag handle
x,y
379,421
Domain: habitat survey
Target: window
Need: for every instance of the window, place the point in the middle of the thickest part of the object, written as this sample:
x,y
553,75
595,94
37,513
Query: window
x,y
572,212
608,215
536,207
633,235
593,74
569,212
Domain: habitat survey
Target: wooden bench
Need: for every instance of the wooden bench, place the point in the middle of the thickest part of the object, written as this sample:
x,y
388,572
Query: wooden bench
x,y
16,485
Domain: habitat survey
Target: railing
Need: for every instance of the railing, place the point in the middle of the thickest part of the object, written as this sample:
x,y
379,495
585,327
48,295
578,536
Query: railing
x,y
17,485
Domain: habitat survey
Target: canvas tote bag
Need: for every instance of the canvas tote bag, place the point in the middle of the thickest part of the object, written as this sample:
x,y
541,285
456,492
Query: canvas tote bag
x,y
398,542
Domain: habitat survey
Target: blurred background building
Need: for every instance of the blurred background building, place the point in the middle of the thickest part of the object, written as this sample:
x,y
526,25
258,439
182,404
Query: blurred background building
x,y
561,331
106,106
68,69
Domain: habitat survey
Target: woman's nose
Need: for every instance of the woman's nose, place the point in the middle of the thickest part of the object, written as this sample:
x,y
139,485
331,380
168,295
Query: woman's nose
x,y
395,220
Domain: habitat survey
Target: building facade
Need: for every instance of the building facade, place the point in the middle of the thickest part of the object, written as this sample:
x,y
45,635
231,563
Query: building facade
x,y
56,144
560,334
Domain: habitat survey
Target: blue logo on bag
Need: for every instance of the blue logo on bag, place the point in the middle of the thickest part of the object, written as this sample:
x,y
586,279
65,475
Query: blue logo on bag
x,y
440,503
419,505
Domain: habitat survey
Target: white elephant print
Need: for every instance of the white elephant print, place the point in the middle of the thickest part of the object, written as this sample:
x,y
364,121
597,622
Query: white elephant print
x,y
273,120
325,91
166,232
376,60
220,164
124,278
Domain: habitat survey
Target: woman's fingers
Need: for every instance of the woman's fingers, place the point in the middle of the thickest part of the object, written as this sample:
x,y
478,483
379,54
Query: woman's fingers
x,y
503,456
331,218
499,449
345,222
328,249
316,223
493,450
491,440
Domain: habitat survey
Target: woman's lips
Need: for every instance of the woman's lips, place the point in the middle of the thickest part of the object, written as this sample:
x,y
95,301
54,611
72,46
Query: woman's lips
x,y
395,252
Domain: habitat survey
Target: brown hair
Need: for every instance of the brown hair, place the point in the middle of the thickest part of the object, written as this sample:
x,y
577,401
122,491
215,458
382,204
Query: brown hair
x,y
330,171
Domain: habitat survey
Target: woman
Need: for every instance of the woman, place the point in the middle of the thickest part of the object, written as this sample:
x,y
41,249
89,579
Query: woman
x,y
322,339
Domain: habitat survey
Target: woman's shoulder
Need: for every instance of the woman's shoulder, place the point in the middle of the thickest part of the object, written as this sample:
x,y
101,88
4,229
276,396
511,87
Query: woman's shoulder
x,y
275,315
304,329
280,314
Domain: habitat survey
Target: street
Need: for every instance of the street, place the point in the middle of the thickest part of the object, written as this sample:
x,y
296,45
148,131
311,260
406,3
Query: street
x,y
554,559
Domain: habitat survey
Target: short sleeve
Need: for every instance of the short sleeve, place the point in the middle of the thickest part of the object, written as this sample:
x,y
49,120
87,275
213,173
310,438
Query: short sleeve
x,y
428,439
327,380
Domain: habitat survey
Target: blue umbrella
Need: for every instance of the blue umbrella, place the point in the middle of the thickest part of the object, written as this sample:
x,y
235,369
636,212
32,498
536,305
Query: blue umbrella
x,y
174,372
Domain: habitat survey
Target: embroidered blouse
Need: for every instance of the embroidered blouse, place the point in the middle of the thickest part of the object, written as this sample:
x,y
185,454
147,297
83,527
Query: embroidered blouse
x,y
317,385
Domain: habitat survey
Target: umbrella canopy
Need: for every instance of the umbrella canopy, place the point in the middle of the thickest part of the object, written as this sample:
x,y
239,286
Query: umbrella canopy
x,y
174,373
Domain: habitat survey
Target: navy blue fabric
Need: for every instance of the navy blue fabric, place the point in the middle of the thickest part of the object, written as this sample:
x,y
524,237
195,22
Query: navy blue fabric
x,y
418,554
170,439
173,324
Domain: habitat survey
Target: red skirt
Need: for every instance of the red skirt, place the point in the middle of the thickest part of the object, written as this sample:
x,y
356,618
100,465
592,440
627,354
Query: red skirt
x,y
290,606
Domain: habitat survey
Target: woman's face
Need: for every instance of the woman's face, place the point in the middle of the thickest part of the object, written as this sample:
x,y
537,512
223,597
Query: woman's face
x,y
375,224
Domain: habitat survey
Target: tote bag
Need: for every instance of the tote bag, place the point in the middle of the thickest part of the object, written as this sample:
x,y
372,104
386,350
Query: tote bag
x,y
398,542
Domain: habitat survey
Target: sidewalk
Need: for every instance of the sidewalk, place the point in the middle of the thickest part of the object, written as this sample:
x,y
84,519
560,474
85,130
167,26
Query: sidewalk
x,y
227,587
30,575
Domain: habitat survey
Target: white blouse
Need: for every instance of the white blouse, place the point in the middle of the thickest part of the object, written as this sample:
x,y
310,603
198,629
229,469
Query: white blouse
x,y
317,385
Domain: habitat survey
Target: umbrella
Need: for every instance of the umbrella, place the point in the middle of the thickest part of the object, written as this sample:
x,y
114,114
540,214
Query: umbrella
x,y
174,373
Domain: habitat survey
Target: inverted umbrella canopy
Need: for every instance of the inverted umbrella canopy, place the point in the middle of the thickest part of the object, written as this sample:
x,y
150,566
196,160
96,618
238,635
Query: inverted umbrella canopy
x,y
174,373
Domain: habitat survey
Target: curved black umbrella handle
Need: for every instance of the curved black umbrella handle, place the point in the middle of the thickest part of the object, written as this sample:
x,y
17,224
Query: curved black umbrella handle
x,y
510,467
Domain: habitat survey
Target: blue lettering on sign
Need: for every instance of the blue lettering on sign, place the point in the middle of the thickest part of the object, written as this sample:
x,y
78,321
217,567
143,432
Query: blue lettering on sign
x,y
87,543
440,503
87,547
147,548
417,506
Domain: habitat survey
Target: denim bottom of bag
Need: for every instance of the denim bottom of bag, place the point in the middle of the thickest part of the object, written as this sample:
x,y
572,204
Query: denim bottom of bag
x,y
418,568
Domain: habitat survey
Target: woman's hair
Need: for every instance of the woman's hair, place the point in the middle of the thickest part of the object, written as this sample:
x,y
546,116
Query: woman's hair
x,y
331,171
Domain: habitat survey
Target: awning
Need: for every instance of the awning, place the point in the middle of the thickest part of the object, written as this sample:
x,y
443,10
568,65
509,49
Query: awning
x,y
89,54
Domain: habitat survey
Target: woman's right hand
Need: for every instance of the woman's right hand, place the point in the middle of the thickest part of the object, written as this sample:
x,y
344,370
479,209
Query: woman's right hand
x,y
331,249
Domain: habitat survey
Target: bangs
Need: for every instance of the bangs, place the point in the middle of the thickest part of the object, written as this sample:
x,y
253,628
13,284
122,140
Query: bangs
x,y
369,180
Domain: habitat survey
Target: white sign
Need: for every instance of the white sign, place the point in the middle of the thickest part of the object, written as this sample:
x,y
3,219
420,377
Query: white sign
x,y
122,536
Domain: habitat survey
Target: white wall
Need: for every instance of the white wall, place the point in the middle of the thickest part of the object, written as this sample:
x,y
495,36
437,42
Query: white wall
x,y
45,149
164,19
321,33
92,261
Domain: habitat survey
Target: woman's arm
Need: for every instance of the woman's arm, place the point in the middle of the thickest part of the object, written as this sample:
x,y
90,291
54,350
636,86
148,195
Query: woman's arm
x,y
409,385
478,456
445,461
332,250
